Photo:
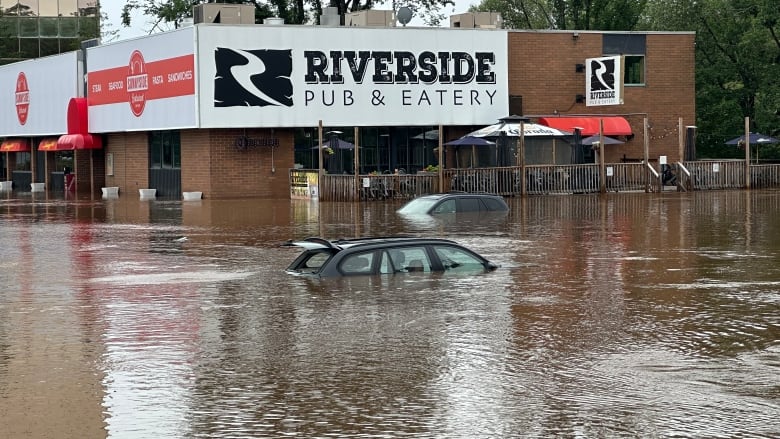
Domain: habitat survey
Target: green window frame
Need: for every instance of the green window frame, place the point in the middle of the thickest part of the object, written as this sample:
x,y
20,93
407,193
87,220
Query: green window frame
x,y
634,73
165,150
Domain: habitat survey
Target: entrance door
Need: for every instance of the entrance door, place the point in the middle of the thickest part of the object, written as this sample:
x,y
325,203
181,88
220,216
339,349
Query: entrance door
x,y
165,163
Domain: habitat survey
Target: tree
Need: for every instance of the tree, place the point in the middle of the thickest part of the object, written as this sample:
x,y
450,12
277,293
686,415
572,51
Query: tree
x,y
173,12
567,14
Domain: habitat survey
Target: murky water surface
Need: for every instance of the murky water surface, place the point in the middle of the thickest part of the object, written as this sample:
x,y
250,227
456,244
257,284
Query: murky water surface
x,y
652,315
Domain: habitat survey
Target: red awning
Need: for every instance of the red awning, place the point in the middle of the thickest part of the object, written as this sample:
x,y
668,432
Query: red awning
x,y
15,145
79,141
48,144
613,125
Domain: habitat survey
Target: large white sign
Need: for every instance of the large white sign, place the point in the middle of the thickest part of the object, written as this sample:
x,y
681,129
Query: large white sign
x,y
34,95
143,84
604,81
292,76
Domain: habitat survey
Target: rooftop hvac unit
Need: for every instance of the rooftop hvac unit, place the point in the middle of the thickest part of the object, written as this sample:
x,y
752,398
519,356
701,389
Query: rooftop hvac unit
x,y
483,20
223,13
370,18
330,16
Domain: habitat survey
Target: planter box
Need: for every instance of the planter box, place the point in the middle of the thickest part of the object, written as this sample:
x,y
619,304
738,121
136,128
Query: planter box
x,y
147,193
37,187
192,196
6,185
110,192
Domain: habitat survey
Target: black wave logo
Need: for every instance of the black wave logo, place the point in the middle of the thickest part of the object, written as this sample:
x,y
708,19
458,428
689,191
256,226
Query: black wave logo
x,y
602,74
253,78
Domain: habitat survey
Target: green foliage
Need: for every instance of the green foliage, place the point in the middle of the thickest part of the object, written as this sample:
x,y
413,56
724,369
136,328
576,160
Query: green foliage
x,y
171,13
737,54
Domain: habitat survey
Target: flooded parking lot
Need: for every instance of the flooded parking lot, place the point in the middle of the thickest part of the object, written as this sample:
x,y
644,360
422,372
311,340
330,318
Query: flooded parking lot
x,y
653,315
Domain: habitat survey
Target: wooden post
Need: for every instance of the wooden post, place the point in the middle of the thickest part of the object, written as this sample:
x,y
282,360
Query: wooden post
x,y
320,171
357,166
681,139
521,155
646,151
441,159
747,152
602,167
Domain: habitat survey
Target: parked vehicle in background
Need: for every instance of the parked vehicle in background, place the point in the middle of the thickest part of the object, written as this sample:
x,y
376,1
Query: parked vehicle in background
x,y
384,255
454,202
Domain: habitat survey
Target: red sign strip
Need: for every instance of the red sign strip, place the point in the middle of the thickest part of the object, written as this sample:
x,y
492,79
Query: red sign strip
x,y
166,78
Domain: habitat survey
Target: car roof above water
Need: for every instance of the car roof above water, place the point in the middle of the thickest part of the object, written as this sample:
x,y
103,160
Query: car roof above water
x,y
344,243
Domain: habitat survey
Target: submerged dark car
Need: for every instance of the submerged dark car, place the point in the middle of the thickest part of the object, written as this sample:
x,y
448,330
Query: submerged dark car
x,y
386,255
454,202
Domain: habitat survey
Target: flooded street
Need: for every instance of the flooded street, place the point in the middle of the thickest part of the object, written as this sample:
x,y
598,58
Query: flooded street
x,y
652,315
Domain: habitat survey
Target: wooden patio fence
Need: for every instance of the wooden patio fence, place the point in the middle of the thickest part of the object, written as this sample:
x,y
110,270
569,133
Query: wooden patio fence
x,y
536,180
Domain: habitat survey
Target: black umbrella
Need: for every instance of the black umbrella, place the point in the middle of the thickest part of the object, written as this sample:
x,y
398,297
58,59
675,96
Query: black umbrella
x,y
470,141
339,144
607,140
755,139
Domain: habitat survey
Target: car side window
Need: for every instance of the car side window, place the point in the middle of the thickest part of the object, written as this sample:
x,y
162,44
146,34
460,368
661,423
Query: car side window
x,y
315,261
359,263
446,206
416,260
470,205
493,204
454,259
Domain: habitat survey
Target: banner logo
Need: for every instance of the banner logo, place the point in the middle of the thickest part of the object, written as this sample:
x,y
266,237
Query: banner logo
x,y
253,78
22,98
605,83
137,82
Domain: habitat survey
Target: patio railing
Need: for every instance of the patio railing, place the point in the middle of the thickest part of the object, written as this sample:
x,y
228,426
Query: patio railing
x,y
534,180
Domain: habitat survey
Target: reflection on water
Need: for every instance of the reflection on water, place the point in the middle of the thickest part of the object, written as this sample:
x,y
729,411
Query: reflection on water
x,y
653,315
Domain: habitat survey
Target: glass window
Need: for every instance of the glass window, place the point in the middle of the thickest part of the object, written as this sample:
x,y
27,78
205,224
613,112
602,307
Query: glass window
x,y
415,259
28,48
87,8
48,8
9,27
9,7
635,70
69,27
29,8
49,26
28,27
23,161
68,8
454,259
359,263
446,206
470,205
49,46
88,27
164,150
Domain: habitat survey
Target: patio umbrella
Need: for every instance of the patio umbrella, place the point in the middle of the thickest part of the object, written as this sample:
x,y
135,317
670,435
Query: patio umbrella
x,y
470,141
339,144
513,130
607,140
755,139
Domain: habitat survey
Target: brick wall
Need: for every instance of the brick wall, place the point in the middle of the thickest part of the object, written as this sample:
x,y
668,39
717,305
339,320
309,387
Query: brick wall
x,y
542,69
260,171
131,161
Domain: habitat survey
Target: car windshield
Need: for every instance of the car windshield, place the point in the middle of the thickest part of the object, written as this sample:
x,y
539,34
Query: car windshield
x,y
418,206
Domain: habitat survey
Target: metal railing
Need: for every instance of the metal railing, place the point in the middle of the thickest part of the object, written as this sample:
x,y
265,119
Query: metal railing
x,y
535,180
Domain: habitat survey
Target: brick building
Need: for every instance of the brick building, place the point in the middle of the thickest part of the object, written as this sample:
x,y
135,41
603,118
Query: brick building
x,y
227,110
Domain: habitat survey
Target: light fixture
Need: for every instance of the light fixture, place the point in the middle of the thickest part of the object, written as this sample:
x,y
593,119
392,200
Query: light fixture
x,y
575,35
579,68
579,99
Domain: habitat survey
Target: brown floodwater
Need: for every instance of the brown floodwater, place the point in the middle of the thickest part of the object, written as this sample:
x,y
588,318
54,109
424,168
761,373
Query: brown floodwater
x,y
625,315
